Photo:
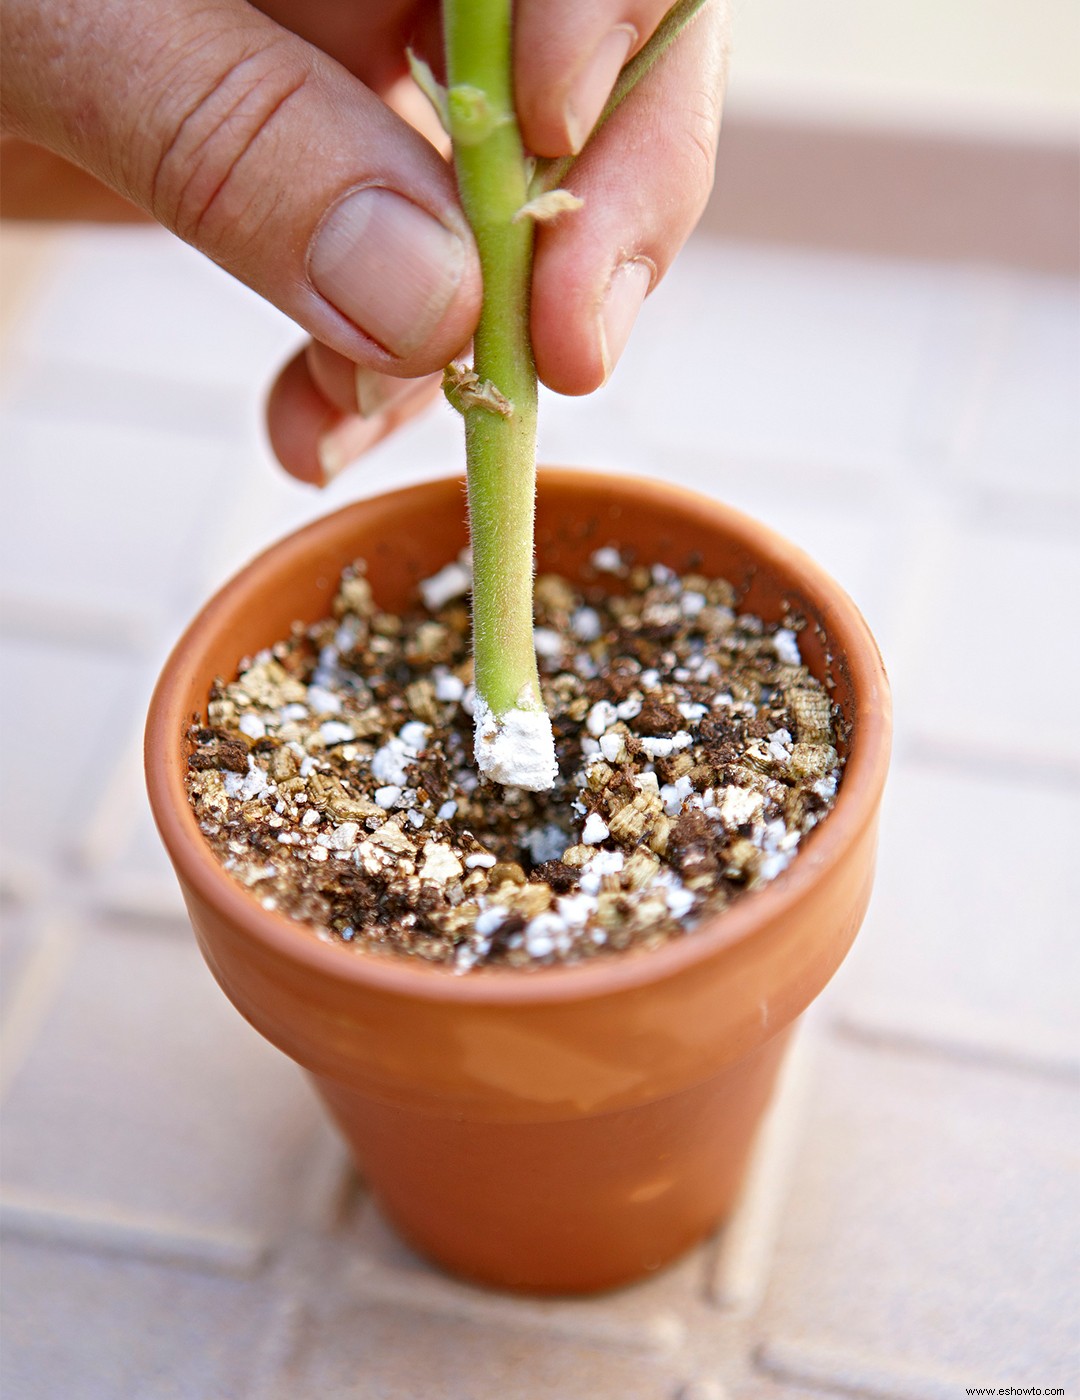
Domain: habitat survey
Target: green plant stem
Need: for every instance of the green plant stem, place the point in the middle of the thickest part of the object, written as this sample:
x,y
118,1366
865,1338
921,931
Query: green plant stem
x,y
500,449
498,399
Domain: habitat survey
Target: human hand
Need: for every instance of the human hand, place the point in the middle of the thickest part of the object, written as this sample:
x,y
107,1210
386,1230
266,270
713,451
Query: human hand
x,y
268,138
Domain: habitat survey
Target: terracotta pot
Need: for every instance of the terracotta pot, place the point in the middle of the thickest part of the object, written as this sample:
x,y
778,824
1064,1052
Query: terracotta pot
x,y
565,1129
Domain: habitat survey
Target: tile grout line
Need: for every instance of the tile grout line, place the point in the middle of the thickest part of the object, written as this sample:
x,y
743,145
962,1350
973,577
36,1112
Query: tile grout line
x,y
662,1334
38,1218
115,814
34,995
844,1373
998,314
1055,1059
924,529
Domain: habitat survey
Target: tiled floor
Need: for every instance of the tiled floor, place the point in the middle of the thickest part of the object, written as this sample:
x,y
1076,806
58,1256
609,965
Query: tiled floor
x,y
178,1220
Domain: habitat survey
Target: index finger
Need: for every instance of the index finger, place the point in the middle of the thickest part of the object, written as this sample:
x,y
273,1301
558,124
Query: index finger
x,y
566,59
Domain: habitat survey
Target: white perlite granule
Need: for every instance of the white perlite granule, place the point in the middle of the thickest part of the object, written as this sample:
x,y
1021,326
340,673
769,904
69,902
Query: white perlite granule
x,y
453,581
516,749
786,644
607,560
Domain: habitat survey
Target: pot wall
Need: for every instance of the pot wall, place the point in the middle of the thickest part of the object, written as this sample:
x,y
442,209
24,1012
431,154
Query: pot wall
x,y
584,1202
448,1087
532,1061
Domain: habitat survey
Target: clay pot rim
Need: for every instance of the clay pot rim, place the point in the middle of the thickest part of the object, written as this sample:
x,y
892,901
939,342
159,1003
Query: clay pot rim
x,y
826,846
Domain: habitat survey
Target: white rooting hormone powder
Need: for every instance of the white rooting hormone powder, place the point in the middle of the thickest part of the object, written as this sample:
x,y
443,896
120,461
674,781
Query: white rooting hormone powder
x,y
516,749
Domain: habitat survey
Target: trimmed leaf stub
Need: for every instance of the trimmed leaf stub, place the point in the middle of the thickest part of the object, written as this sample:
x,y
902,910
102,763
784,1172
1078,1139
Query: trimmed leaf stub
x,y
430,86
548,206
517,748
465,389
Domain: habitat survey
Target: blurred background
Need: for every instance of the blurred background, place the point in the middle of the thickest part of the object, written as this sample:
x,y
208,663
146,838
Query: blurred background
x,y
872,343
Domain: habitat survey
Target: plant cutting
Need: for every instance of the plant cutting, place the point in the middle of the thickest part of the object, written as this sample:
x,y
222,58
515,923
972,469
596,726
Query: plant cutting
x,y
575,1126
503,193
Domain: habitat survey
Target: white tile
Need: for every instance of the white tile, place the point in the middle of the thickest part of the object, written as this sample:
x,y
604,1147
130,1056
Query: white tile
x,y
108,524
65,713
1001,402
758,1385
121,851
652,1316
930,1230
139,300
990,651
17,945
598,431
147,1118
391,1350
770,356
105,1329
1031,428
971,937
127,398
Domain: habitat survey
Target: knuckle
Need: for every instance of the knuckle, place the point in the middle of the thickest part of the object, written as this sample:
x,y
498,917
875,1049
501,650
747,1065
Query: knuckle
x,y
695,159
194,187
701,155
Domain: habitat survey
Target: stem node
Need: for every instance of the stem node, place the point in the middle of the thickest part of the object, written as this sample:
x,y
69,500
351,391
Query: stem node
x,y
472,116
465,389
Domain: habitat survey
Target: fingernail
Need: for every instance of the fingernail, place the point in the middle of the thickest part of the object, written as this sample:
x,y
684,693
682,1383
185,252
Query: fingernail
x,y
375,392
387,266
340,445
629,285
592,86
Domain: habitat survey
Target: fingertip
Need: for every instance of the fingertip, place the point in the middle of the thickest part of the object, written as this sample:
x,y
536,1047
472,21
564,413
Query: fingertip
x,y
313,421
353,388
591,87
339,446
297,416
627,289
313,437
583,314
567,60
641,198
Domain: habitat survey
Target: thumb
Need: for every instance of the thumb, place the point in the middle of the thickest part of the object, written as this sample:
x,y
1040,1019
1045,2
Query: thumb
x,y
263,153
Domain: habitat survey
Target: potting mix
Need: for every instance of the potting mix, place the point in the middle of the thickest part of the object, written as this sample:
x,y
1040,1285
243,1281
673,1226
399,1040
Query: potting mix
x,y
333,776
